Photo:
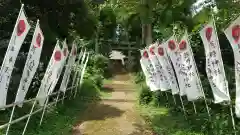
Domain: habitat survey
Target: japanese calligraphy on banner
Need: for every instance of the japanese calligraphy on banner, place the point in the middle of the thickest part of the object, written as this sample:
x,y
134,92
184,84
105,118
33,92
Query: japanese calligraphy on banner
x,y
161,76
188,70
214,65
167,67
148,71
233,35
172,51
59,71
19,33
68,69
31,65
50,74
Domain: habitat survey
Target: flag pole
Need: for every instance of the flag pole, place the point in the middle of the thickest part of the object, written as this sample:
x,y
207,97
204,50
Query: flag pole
x,y
199,82
233,121
194,107
30,114
184,111
81,74
44,110
14,106
174,100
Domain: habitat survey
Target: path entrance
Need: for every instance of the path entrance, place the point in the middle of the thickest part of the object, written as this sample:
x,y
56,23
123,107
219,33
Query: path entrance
x,y
125,119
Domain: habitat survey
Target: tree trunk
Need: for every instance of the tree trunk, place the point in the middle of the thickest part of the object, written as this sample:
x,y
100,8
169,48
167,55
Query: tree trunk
x,y
147,34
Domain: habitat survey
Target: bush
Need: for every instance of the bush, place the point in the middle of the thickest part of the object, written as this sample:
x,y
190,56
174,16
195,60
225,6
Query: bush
x,y
139,77
145,96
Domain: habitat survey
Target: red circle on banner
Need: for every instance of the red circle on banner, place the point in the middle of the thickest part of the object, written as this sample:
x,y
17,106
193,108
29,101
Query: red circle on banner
x,y
65,52
145,54
152,50
160,51
21,27
171,45
57,56
183,45
38,40
208,33
236,33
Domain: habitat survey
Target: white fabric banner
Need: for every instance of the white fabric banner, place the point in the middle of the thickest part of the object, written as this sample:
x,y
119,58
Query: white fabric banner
x,y
188,70
80,68
172,51
233,35
59,71
31,64
50,74
167,67
161,76
19,33
214,65
83,69
68,69
148,71
75,76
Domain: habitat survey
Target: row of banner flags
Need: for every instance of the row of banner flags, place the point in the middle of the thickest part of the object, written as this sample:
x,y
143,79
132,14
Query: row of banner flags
x,y
171,65
54,69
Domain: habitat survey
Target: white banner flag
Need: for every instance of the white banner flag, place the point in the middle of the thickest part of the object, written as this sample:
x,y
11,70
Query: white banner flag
x,y
233,35
161,77
167,67
214,65
148,71
83,69
31,64
19,33
68,69
188,70
80,67
50,74
75,76
59,71
172,50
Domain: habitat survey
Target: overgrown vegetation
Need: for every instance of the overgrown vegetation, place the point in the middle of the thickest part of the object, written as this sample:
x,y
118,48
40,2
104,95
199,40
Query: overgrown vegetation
x,y
126,20
60,120
166,117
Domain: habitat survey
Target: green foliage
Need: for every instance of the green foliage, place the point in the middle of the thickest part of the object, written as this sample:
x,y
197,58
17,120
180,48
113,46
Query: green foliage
x,y
139,77
59,120
145,95
97,69
167,118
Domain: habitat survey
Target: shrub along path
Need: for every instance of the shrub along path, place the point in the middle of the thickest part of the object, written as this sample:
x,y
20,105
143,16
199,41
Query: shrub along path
x,y
115,115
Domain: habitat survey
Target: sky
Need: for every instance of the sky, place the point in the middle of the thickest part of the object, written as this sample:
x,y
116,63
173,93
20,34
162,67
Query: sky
x,y
199,4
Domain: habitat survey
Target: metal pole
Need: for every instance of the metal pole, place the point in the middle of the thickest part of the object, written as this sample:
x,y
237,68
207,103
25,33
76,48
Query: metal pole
x,y
174,100
44,109
63,96
200,83
10,120
24,130
233,121
57,97
12,113
184,111
166,95
194,107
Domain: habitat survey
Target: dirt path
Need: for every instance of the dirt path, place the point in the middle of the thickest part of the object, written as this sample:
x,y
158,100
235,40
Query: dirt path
x,y
116,115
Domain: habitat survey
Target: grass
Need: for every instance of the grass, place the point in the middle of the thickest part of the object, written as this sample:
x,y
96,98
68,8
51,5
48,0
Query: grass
x,y
162,118
164,123
60,120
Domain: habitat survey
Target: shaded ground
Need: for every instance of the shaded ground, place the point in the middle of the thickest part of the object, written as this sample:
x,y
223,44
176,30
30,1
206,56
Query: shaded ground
x,y
115,115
